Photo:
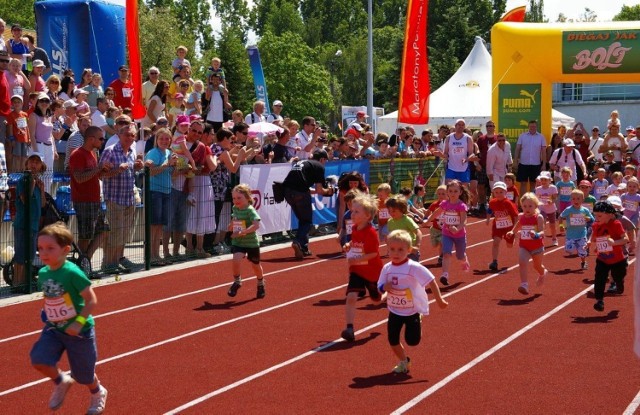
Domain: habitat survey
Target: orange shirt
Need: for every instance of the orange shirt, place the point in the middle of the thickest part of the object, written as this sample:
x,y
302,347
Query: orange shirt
x,y
19,126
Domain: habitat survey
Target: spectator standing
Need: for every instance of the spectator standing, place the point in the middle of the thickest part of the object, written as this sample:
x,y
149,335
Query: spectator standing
x,y
18,82
5,97
257,115
76,140
156,103
615,142
18,133
99,119
123,89
35,77
568,156
275,113
305,140
38,53
458,151
18,47
530,156
94,91
149,86
3,45
595,142
41,132
499,160
218,100
118,184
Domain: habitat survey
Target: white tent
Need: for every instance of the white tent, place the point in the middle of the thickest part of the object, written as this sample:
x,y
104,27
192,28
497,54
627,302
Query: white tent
x,y
467,94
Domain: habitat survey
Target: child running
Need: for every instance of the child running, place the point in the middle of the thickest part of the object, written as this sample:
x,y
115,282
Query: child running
x,y
435,234
547,193
363,257
454,214
505,215
530,229
631,200
344,235
383,191
398,210
610,238
565,186
513,194
68,303
245,221
405,283
578,219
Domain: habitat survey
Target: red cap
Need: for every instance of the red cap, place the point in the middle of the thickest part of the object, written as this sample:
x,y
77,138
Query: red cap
x,y
585,183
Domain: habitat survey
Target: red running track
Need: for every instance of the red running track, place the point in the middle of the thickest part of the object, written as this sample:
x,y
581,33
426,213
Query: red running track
x,y
175,343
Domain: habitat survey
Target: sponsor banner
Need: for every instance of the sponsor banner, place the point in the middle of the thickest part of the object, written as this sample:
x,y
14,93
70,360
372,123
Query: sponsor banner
x,y
517,105
601,51
413,103
258,76
275,217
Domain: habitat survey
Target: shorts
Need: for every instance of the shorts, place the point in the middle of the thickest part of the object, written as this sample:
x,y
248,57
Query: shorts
x,y
253,254
528,172
549,217
82,352
383,231
462,176
580,245
91,219
177,212
20,149
525,251
357,284
412,332
20,246
435,235
414,256
482,178
499,233
562,205
160,208
460,243
120,219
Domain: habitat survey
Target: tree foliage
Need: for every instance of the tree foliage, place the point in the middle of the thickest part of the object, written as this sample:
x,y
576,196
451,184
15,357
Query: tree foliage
x,y
535,12
628,13
18,11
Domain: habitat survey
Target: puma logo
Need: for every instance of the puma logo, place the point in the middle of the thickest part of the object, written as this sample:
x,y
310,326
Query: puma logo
x,y
532,97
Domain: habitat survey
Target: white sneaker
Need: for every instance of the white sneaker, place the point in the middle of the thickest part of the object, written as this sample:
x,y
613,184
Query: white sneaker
x,y
523,288
98,402
554,242
59,392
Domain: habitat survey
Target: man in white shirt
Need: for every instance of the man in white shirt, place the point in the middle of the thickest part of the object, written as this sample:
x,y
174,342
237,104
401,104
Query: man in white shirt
x,y
499,160
530,157
257,114
275,114
149,86
98,118
305,141
595,141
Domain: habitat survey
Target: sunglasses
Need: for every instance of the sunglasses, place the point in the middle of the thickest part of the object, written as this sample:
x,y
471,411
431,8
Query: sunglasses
x,y
154,73
490,125
123,123
44,101
193,130
5,60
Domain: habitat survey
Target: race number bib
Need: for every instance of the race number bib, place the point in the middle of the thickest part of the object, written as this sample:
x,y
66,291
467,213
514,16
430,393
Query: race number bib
x,y
545,199
383,213
400,298
504,222
451,218
603,245
565,191
237,226
348,226
127,92
588,206
525,232
21,123
577,219
630,205
458,150
59,308
354,252
511,196
600,191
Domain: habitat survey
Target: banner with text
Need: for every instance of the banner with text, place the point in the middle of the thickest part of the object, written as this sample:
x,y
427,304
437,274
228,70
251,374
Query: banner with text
x,y
258,76
517,105
601,51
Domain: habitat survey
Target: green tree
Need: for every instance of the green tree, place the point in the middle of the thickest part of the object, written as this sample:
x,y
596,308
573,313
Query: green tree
x,y
237,71
535,13
18,11
194,17
628,13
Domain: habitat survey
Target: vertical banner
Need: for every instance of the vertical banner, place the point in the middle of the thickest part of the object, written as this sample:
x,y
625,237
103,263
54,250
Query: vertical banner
x,y
413,104
135,63
518,104
258,76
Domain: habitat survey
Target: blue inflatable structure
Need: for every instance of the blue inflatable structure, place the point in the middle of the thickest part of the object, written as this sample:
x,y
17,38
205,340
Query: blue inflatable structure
x,y
83,34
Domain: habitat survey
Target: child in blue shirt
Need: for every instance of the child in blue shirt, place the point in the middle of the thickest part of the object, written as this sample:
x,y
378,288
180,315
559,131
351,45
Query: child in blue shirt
x,y
600,184
565,187
578,218
631,200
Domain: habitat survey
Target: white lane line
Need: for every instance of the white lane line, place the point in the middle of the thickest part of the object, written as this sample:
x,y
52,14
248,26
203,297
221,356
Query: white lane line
x,y
633,406
175,297
413,402
316,350
223,323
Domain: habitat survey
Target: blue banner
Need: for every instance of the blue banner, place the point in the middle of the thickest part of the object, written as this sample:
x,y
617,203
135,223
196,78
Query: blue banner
x,y
258,76
324,207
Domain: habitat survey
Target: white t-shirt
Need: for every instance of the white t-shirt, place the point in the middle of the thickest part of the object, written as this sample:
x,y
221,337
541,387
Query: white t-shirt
x,y
254,118
407,296
98,119
458,151
531,146
544,196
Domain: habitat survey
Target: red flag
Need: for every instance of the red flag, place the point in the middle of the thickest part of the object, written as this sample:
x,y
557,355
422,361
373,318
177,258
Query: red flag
x,y
514,15
135,64
413,105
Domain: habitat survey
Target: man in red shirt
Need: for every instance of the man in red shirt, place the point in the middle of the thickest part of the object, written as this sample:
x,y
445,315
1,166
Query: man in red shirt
x,y
123,88
85,192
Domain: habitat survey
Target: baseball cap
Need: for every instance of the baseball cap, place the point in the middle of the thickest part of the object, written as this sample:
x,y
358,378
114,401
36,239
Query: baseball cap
x,y
69,104
353,132
320,154
544,175
500,185
630,128
615,201
362,114
79,91
595,128
37,63
17,97
178,96
182,119
585,183
162,120
43,95
36,154
123,67
277,103
568,142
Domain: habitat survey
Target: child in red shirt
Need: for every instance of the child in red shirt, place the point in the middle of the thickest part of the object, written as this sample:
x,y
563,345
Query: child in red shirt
x,y
18,132
505,215
513,194
610,238
363,257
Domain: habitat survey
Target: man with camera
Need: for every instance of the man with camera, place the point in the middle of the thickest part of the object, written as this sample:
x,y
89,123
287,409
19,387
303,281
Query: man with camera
x,y
306,138
303,175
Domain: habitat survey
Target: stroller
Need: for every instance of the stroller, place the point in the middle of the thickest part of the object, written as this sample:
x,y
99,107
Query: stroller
x,y
50,214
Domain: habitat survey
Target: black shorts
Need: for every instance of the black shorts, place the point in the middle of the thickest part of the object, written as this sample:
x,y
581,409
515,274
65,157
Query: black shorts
x,y
253,254
528,172
412,332
357,284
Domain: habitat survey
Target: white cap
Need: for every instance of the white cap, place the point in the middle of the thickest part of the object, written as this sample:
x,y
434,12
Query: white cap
x,y
500,185
277,102
17,96
69,104
568,142
36,63
615,201
544,175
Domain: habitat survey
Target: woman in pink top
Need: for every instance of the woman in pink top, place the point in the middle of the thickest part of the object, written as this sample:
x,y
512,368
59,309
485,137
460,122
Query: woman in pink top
x,y
35,77
18,82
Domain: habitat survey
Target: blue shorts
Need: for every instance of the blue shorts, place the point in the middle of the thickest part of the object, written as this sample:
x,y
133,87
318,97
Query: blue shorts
x,y
177,212
579,245
383,231
20,244
460,244
462,176
81,352
160,208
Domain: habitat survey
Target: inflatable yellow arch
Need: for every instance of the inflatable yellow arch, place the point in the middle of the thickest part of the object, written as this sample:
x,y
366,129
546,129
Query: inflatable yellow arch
x,y
529,57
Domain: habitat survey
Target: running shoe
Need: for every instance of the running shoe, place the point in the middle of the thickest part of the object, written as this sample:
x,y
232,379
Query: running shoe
x,y
348,334
493,266
599,305
466,267
523,288
554,242
98,402
540,279
444,280
60,391
403,366
297,250
234,289
261,291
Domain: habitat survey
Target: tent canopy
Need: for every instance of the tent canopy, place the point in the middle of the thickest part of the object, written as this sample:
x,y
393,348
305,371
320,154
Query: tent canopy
x,y
467,95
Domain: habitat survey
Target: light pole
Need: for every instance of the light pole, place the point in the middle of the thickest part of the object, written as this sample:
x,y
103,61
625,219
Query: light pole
x,y
332,87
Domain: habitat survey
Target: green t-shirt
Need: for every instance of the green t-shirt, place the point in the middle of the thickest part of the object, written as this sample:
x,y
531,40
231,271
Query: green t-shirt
x,y
62,299
404,223
242,219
